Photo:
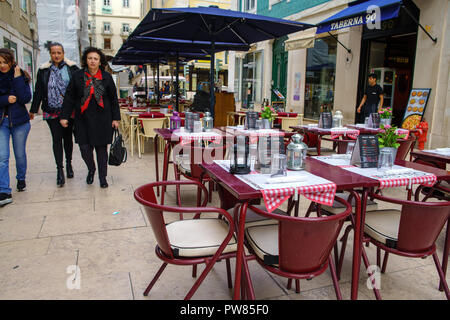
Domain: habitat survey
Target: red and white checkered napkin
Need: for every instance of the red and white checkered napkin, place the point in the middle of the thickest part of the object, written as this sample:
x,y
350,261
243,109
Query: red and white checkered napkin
x,y
187,137
427,180
351,133
400,131
321,193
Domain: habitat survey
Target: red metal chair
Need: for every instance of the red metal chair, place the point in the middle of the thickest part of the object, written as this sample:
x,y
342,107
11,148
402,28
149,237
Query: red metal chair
x,y
409,232
188,164
405,147
294,247
188,242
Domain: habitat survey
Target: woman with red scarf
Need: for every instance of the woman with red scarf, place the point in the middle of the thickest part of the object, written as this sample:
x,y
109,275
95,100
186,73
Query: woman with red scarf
x,y
92,94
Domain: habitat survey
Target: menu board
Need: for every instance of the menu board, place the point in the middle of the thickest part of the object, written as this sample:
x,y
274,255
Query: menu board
x,y
417,103
365,153
374,120
326,120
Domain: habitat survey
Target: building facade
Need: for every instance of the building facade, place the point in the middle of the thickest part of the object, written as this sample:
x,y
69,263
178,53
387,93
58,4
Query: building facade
x,y
315,72
18,32
110,22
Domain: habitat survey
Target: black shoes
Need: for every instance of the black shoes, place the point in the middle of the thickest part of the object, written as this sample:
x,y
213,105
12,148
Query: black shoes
x,y
60,180
21,185
69,170
5,198
90,177
103,183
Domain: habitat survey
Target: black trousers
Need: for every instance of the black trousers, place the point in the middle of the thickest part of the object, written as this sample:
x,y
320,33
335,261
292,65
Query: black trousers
x,y
62,139
87,153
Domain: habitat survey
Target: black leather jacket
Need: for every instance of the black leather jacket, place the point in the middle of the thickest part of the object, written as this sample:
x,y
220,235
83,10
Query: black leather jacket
x,y
41,87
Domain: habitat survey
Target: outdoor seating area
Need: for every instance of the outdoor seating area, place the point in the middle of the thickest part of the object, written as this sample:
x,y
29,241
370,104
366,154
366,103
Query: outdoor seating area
x,y
112,240
257,178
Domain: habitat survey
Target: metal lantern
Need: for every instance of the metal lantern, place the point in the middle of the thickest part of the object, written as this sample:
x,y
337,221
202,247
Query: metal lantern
x,y
189,121
208,122
239,160
296,153
175,121
338,119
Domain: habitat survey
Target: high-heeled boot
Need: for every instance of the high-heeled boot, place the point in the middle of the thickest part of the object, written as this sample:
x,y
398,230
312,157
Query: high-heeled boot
x,y
60,180
69,170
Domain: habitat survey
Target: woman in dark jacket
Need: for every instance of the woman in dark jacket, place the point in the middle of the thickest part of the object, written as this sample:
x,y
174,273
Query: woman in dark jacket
x,y
52,80
15,122
92,94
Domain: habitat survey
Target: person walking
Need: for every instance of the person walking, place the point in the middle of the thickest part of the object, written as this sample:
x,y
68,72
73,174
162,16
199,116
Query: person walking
x,y
15,92
92,94
52,80
372,100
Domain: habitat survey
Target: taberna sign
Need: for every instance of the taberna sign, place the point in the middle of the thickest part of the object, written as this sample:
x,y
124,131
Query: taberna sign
x,y
368,19
370,13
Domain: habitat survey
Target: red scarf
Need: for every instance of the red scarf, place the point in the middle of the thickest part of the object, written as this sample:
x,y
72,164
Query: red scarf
x,y
90,85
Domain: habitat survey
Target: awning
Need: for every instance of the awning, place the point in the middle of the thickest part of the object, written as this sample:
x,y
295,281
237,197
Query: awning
x,y
305,39
358,13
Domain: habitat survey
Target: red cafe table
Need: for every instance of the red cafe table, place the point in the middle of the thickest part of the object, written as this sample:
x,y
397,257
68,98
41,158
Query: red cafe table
x,y
171,140
243,193
320,132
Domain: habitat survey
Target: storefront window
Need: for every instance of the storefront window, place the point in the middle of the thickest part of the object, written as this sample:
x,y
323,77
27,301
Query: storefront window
x,y
320,75
28,63
248,80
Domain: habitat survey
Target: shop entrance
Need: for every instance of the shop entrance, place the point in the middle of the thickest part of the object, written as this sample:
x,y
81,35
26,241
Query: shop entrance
x,y
390,52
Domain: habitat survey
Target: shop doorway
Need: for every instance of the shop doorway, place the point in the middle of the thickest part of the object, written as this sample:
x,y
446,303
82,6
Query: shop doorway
x,y
390,53
279,67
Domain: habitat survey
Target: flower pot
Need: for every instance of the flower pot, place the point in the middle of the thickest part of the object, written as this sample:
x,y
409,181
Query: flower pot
x,y
266,123
392,150
385,121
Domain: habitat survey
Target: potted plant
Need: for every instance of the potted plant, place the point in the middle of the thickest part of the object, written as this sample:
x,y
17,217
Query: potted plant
x,y
267,116
385,115
387,138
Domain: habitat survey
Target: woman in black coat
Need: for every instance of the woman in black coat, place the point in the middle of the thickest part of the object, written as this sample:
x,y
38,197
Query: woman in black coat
x,y
53,78
92,93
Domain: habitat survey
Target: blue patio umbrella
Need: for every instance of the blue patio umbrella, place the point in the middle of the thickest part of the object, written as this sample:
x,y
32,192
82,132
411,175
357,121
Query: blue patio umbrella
x,y
136,53
218,29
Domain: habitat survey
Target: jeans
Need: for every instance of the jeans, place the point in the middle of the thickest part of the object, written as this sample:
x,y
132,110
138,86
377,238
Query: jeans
x,y
19,139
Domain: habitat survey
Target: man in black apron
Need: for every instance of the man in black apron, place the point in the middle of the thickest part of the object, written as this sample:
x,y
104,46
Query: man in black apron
x,y
373,97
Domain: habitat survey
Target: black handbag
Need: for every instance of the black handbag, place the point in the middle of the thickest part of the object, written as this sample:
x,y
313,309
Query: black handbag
x,y
117,151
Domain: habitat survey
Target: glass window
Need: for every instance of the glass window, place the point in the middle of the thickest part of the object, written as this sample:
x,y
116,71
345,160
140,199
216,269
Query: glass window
x,y
106,43
23,5
126,3
10,45
249,70
320,75
107,3
125,27
28,63
106,27
249,5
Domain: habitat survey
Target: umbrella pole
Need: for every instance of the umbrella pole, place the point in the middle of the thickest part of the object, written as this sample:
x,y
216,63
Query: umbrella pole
x,y
177,92
211,83
157,80
146,87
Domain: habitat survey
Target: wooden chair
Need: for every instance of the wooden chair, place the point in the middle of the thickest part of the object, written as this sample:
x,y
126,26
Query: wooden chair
x,y
147,126
294,247
410,232
188,242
